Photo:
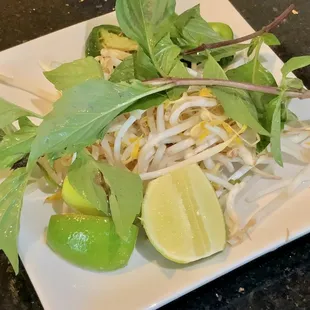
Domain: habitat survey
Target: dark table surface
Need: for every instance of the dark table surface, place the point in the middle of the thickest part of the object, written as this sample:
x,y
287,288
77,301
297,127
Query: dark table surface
x,y
279,280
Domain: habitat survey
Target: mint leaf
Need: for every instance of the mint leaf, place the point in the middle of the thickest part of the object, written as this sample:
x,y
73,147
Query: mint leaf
x,y
74,73
15,146
80,116
294,64
83,176
125,198
124,71
10,112
11,200
236,103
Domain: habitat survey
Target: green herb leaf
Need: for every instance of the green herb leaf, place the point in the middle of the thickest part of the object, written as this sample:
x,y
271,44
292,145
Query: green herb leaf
x,y
275,139
254,72
15,146
11,200
270,39
143,66
145,21
222,52
292,83
148,102
80,116
10,112
74,73
125,198
83,176
236,103
124,72
191,30
294,64
149,22
253,45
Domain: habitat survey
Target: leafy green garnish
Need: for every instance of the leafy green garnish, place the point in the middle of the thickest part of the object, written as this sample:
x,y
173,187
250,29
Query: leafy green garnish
x,y
222,52
143,66
84,177
191,30
11,112
152,21
125,190
124,71
11,200
74,73
15,146
80,116
276,128
125,197
236,103
270,39
294,64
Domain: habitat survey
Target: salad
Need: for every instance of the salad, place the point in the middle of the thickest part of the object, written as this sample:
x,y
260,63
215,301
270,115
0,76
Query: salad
x,y
156,129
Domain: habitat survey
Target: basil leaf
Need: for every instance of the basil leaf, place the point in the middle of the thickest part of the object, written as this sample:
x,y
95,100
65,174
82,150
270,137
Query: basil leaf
x,y
143,66
222,52
10,112
254,72
124,71
166,54
148,22
15,146
82,113
74,73
191,30
270,39
275,139
125,198
293,83
294,64
25,122
11,201
148,102
145,21
236,103
82,175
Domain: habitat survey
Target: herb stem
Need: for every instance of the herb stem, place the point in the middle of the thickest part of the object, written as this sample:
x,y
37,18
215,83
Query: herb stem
x,y
208,46
302,94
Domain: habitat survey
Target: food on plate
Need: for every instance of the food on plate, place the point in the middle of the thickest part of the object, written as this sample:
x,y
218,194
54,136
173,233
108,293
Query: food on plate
x,y
154,128
90,241
182,216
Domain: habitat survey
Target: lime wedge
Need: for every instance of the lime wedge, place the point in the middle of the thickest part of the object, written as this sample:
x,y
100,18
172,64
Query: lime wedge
x,y
182,216
90,242
76,201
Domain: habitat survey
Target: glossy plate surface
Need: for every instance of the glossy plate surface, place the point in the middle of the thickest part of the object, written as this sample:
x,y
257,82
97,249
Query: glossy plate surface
x,y
149,281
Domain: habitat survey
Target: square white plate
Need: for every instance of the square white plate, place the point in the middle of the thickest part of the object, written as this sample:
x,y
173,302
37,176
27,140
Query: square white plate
x,y
149,281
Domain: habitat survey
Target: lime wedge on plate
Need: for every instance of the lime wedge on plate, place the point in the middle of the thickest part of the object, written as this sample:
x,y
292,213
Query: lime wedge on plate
x,y
182,216
76,201
90,242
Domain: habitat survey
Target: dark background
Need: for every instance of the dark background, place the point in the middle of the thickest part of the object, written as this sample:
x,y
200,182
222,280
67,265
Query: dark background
x,y
279,280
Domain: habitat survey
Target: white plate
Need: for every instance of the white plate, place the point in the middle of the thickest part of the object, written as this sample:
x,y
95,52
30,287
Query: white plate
x,y
149,281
